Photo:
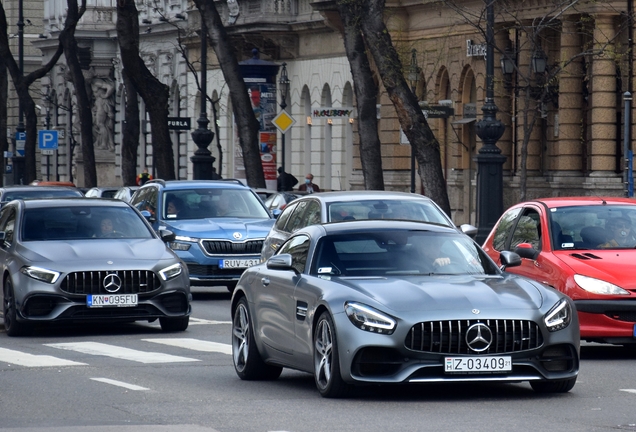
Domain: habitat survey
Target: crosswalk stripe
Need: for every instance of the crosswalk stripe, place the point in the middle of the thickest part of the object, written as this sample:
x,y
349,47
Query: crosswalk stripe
x,y
30,360
119,384
194,344
100,349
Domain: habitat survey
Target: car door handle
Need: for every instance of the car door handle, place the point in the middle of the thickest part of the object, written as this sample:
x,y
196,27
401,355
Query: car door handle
x,y
265,281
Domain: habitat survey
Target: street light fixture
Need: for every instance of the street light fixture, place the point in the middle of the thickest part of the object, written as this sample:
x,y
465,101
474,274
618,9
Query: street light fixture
x,y
414,76
202,160
489,159
283,83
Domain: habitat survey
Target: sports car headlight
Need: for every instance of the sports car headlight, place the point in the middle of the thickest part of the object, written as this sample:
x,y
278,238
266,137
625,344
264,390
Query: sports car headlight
x,y
171,272
598,286
41,274
559,317
368,319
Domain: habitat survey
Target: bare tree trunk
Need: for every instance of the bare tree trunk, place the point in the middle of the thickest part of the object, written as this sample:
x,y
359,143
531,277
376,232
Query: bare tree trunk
x,y
22,84
130,133
246,122
412,120
4,95
67,39
366,92
154,93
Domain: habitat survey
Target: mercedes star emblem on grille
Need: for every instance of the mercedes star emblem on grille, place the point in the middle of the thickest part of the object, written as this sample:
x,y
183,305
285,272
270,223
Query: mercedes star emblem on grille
x,y
112,283
478,337
237,235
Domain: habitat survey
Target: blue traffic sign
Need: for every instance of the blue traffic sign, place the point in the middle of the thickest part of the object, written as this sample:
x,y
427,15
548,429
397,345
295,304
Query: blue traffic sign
x,y
47,139
20,139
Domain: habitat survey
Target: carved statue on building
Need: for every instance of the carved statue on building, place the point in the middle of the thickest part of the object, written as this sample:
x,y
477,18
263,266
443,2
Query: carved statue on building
x,y
103,89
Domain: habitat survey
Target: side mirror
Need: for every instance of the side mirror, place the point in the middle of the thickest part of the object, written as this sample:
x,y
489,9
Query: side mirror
x,y
149,217
509,259
167,235
276,213
281,262
525,250
469,230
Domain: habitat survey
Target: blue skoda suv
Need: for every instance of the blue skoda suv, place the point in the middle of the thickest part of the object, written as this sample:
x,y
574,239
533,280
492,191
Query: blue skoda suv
x,y
220,225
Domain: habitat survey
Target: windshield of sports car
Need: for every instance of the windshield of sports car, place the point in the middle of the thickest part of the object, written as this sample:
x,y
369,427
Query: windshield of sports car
x,y
83,223
213,203
412,210
593,227
401,252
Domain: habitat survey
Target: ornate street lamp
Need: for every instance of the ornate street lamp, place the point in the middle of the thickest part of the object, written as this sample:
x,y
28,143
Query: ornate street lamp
x,y
283,84
414,76
202,168
489,160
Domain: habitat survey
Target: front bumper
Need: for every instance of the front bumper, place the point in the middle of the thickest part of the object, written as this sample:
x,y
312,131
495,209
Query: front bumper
x,y
385,359
607,321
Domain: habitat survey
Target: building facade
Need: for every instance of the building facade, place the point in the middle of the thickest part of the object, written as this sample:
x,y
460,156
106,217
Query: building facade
x,y
560,95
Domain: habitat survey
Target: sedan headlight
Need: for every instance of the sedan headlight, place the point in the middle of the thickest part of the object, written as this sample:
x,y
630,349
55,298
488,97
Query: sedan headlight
x,y
171,272
559,317
369,319
598,286
179,246
44,275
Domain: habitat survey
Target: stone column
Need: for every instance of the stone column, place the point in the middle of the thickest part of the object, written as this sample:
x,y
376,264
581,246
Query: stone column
x,y
568,145
603,100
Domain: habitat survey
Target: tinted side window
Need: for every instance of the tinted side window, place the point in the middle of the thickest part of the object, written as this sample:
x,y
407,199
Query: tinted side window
x,y
528,230
503,229
146,199
7,224
296,221
298,248
284,217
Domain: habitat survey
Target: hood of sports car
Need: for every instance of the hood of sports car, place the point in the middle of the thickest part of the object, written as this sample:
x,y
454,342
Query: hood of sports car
x,y
614,266
122,253
221,228
450,292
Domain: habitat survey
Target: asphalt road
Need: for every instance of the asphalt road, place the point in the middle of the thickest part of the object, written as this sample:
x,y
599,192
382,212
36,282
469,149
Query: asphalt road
x,y
135,378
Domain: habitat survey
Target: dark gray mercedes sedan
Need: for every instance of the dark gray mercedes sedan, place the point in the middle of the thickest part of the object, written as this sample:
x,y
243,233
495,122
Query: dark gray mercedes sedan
x,y
81,260
387,302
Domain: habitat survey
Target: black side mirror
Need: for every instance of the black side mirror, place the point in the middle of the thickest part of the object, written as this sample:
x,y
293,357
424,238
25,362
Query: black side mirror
x,y
525,250
509,259
167,235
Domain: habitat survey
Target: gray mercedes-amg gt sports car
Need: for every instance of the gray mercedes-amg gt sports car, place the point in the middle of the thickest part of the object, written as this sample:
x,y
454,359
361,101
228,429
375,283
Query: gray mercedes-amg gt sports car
x,y
384,302
83,260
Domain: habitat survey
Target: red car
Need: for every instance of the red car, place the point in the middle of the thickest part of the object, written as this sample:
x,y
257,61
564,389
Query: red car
x,y
583,247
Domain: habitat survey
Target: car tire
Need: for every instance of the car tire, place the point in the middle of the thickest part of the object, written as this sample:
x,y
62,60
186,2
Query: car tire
x,y
248,363
326,360
170,325
553,386
11,324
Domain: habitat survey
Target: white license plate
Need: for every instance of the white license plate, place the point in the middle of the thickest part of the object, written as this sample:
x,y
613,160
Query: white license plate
x,y
111,300
238,263
477,364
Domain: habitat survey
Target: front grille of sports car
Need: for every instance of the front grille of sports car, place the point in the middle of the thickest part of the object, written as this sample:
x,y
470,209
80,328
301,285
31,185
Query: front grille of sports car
x,y
226,247
92,282
449,337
